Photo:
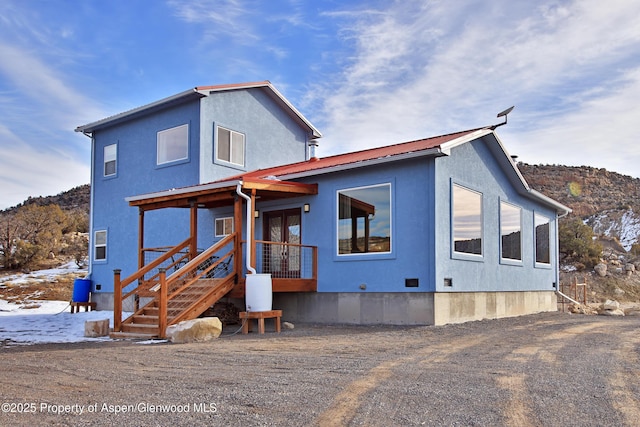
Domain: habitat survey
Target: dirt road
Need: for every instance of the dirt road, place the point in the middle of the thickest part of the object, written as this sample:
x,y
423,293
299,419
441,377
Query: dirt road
x,y
550,369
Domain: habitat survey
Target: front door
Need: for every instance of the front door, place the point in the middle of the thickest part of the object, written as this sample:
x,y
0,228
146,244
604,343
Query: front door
x,y
282,260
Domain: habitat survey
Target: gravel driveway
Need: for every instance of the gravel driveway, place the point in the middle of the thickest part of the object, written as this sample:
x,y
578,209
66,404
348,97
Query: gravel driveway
x,y
550,369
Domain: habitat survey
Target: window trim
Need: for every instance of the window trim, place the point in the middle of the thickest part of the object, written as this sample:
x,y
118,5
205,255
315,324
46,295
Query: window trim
x,y
114,160
364,255
510,261
538,264
223,218
465,255
96,245
216,145
177,160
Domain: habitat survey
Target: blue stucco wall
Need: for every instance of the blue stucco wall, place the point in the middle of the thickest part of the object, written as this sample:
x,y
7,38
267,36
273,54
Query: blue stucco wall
x,y
137,173
412,253
272,137
474,166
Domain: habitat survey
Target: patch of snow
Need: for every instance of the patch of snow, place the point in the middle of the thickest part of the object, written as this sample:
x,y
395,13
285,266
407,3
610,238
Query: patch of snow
x,y
47,322
44,275
568,268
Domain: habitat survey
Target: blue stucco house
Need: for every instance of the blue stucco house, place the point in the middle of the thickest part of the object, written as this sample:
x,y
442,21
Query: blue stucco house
x,y
193,192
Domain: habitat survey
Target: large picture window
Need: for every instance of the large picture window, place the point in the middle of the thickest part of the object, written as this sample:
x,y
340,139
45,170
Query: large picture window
x,y
467,220
173,144
364,220
542,240
230,146
110,159
100,245
511,231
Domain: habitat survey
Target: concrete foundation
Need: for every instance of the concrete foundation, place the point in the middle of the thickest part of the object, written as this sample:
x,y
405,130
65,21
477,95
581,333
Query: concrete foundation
x,y
401,308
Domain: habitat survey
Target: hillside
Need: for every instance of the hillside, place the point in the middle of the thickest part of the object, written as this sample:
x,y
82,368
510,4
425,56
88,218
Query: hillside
x,y
607,201
75,199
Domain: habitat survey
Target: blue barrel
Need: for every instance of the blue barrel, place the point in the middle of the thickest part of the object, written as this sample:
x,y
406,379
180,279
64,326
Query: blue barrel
x,y
81,288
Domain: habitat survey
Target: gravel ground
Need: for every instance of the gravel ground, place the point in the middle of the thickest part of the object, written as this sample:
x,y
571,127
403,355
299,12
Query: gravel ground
x,y
550,369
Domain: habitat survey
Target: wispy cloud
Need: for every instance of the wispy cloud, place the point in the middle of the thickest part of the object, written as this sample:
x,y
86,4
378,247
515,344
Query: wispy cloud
x,y
423,68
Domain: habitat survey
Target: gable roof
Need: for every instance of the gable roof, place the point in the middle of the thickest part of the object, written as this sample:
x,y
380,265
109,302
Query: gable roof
x,y
201,92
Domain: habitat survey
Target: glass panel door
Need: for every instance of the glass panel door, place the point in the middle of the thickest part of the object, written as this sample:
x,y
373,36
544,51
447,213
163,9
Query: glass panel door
x,y
282,227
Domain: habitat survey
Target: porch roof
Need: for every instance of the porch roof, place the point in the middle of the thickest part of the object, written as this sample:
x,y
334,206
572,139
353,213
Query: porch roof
x,y
221,193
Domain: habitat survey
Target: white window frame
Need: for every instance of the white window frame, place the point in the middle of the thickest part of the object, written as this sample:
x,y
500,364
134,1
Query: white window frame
x,y
237,147
225,221
368,253
172,139
517,261
461,254
109,157
99,243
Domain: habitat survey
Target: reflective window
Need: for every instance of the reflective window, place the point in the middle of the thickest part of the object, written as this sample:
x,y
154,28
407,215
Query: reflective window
x,y
100,245
510,231
364,220
542,239
224,226
467,220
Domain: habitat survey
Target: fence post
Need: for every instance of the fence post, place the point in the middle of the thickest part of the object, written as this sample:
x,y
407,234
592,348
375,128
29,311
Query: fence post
x,y
162,310
117,301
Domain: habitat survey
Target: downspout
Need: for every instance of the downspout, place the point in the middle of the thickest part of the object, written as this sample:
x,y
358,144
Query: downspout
x,y
91,199
249,219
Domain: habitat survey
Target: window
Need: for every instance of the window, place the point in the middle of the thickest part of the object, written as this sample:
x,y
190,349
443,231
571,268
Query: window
x,y
511,231
100,245
110,158
224,226
467,221
173,144
542,240
364,220
230,146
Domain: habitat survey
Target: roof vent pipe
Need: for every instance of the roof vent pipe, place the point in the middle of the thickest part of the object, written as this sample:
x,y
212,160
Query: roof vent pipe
x,y
249,219
313,146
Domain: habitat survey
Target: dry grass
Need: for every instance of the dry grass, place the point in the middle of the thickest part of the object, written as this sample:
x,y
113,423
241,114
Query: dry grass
x,y
58,289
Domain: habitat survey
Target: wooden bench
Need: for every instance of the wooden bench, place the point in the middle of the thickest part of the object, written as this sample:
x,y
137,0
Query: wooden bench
x,y
88,306
260,316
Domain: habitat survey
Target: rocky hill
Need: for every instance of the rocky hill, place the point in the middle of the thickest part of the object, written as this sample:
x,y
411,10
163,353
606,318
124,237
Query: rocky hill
x,y
607,201
75,199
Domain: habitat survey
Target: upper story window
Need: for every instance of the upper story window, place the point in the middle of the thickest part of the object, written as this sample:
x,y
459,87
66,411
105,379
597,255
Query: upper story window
x,y
542,240
467,220
230,146
511,231
110,160
364,220
173,144
100,245
224,226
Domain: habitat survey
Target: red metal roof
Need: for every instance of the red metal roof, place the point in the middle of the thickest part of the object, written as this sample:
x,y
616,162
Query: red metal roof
x,y
356,157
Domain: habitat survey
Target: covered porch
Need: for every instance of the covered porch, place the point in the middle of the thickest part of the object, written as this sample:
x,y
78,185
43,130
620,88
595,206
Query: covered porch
x,y
180,282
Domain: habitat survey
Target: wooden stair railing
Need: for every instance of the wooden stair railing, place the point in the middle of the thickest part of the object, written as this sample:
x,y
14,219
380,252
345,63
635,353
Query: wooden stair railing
x,y
185,293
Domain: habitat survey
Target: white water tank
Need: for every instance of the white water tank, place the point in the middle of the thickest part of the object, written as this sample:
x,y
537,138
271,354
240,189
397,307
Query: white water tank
x,y
259,292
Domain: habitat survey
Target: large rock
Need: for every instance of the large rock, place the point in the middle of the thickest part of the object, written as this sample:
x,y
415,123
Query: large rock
x,y
96,328
196,330
611,308
601,269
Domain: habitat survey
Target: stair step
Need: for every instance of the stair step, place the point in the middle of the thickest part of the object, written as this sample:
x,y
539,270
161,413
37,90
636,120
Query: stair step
x,y
150,311
145,319
140,328
131,335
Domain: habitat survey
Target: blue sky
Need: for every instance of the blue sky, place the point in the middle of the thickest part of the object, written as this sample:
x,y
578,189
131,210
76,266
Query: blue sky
x,y
366,73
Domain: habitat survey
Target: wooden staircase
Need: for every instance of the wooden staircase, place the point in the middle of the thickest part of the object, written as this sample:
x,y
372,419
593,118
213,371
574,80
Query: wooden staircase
x,y
191,289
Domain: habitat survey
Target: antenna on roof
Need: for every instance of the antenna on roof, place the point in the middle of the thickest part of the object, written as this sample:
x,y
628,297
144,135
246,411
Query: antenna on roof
x,y
503,114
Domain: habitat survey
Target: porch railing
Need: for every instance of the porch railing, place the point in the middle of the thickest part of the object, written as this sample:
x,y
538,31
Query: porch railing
x,y
287,260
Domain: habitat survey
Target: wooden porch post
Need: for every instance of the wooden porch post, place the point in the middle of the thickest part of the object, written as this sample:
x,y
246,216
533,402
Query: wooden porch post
x,y
237,221
193,226
117,301
162,310
140,238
